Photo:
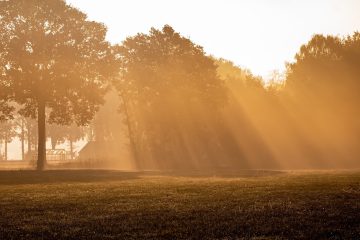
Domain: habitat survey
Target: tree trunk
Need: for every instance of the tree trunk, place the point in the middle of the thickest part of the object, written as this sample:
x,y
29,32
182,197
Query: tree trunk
x,y
1,157
41,163
71,149
6,147
133,146
36,144
28,142
22,141
53,143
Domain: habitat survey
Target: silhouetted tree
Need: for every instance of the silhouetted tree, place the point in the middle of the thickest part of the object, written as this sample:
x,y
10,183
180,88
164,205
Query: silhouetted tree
x,y
249,110
5,110
21,133
31,132
55,60
326,71
315,64
323,85
7,133
58,134
74,134
108,122
168,87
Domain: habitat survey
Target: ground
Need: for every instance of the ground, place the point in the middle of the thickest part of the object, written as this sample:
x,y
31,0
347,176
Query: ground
x,y
148,205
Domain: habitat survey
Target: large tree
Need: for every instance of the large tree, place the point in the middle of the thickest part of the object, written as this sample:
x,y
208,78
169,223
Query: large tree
x,y
323,85
55,59
170,93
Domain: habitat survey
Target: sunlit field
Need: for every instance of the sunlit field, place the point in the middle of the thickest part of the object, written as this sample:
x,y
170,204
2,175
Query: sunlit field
x,y
136,205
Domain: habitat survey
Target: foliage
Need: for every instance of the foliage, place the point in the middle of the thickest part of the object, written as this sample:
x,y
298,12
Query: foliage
x,y
236,77
5,111
55,59
54,54
7,131
323,86
325,63
59,134
168,88
164,63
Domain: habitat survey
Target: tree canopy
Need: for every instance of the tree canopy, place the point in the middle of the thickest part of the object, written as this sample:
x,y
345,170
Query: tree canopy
x,y
55,59
163,62
168,86
326,62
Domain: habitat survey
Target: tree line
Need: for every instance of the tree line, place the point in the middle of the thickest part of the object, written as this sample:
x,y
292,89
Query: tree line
x,y
181,107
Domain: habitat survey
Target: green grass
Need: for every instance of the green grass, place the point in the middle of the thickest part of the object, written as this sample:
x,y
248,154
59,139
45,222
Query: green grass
x,y
120,205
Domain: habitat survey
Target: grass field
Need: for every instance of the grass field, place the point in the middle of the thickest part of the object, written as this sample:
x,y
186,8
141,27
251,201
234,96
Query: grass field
x,y
122,205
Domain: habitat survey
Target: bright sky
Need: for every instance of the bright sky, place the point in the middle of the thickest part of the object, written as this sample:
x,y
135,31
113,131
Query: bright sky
x,y
257,34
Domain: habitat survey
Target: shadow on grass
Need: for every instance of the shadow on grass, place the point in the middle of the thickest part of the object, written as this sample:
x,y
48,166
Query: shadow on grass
x,y
13,177
63,176
224,173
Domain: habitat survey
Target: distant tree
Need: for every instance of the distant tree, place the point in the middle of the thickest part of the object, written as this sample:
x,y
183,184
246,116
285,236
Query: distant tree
x,y
326,69
322,84
7,133
276,82
315,64
251,108
237,78
167,85
5,111
21,133
108,124
55,60
58,134
74,134
31,135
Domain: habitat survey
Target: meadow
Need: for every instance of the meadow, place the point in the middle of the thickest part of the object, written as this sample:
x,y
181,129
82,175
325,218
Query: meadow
x,y
104,204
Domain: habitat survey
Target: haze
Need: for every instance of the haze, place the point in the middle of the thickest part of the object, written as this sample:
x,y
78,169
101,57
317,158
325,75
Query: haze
x,y
218,95
193,119
260,35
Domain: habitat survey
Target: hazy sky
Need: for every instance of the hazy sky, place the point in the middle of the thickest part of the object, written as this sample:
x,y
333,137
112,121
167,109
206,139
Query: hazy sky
x,y
258,34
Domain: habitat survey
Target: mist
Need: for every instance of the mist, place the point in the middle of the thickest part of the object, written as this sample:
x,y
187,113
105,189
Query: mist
x,y
158,101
